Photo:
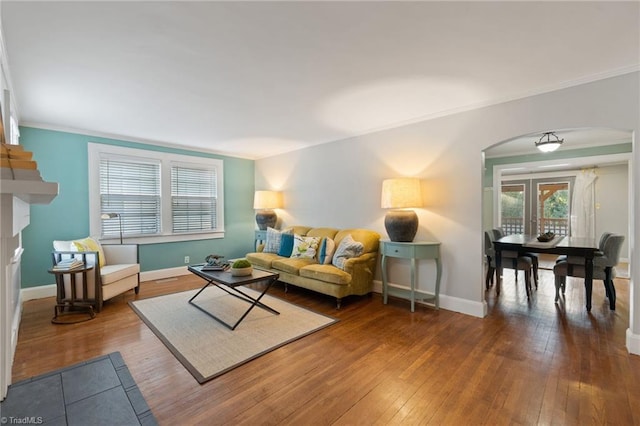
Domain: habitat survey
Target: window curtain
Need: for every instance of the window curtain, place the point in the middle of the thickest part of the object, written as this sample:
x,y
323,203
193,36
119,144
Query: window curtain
x,y
583,211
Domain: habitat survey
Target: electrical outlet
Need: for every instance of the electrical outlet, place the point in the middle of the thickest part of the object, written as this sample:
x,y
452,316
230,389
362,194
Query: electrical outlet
x,y
186,259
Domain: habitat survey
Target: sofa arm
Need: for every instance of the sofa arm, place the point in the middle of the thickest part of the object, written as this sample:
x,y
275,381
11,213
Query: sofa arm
x,y
362,270
119,254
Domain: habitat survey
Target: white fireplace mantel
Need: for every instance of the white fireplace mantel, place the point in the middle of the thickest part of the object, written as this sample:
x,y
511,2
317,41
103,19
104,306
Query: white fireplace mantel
x,y
16,198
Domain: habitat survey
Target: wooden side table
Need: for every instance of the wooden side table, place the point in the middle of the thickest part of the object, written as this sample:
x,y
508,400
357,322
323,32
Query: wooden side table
x,y
72,304
260,238
413,251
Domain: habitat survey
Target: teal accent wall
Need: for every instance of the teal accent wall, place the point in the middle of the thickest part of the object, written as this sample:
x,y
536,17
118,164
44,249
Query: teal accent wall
x,y
62,158
556,155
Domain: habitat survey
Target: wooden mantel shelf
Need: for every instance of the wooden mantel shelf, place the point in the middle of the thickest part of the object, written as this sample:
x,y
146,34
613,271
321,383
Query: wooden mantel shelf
x,y
30,191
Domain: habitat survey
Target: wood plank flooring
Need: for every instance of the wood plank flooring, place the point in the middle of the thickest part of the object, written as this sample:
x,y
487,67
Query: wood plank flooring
x,y
528,362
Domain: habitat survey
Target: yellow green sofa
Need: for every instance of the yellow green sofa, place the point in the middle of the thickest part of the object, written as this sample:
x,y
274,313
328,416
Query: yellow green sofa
x,y
356,276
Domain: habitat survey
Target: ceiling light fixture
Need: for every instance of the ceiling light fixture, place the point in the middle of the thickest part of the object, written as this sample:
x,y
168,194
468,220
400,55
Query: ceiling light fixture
x,y
549,145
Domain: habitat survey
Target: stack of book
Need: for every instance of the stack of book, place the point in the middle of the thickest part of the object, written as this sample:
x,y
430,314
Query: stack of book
x,y
16,163
67,264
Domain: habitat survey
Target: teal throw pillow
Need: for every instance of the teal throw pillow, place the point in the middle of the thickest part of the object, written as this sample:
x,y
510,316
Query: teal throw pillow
x,y
286,245
274,239
326,250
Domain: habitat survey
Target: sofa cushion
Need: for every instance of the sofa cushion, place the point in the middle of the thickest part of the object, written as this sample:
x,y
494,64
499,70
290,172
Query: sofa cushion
x,y
322,232
347,249
292,265
327,273
305,247
369,239
262,260
112,273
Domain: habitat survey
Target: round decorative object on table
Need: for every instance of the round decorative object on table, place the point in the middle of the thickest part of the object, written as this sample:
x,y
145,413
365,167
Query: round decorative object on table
x,y
546,237
241,272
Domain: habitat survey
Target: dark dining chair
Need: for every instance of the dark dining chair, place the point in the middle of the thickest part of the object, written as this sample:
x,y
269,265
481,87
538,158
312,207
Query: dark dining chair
x,y
604,268
518,263
497,234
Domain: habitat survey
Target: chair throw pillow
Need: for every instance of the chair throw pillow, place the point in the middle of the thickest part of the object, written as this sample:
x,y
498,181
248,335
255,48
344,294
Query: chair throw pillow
x,y
286,245
274,240
304,247
347,249
90,244
326,250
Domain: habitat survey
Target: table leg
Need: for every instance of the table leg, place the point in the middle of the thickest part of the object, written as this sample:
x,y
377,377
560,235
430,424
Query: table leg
x,y
438,275
588,280
384,279
498,270
413,284
240,295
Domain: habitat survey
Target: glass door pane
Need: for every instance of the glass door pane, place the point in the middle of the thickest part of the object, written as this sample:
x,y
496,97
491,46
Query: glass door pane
x,y
512,207
552,207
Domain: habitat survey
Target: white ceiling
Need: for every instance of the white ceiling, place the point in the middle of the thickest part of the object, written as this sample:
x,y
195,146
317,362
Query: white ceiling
x,y
254,79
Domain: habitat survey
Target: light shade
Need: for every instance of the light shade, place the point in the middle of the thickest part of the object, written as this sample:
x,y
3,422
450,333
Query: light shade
x,y
549,144
267,200
105,216
264,201
401,193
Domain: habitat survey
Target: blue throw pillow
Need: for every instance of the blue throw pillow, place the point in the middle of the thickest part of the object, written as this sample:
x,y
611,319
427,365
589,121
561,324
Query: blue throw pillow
x,y
286,245
325,253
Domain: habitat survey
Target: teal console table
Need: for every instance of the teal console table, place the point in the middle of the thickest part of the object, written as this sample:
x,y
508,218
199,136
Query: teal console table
x,y
415,250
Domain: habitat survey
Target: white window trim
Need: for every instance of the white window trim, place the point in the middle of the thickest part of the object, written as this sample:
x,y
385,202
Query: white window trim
x,y
166,159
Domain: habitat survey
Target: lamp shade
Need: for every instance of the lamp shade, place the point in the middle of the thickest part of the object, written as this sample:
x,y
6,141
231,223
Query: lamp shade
x,y
401,193
549,145
267,200
264,201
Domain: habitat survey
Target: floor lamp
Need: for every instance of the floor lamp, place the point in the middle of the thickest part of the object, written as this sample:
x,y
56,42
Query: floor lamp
x,y
111,216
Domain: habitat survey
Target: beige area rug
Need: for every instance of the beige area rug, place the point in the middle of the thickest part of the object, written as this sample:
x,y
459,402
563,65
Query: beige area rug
x,y
207,348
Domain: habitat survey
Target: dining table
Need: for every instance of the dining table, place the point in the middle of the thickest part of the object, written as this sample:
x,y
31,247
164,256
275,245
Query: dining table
x,y
560,245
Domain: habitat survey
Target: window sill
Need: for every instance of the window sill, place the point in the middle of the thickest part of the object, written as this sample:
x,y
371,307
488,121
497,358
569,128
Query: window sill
x,y
157,239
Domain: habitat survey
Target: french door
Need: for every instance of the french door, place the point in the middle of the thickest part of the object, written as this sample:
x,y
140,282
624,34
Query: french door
x,y
534,206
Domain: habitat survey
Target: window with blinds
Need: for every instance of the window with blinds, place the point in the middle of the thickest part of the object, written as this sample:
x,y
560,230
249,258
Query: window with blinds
x,y
193,199
132,190
159,196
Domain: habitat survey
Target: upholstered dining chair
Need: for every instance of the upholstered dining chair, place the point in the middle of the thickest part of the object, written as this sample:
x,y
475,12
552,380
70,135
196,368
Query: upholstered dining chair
x,y
115,268
603,268
518,263
575,259
497,234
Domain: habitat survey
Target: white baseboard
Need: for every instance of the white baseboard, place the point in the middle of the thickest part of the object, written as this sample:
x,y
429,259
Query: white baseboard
x,y
49,290
161,274
39,292
633,342
455,304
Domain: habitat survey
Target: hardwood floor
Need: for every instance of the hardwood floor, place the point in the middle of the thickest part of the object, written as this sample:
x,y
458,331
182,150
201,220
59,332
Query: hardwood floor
x,y
527,362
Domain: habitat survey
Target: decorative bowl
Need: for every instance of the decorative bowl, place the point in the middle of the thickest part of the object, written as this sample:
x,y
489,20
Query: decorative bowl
x,y
241,272
546,237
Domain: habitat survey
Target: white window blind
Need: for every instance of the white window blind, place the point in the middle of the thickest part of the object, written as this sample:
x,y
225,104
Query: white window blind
x,y
194,196
130,188
162,196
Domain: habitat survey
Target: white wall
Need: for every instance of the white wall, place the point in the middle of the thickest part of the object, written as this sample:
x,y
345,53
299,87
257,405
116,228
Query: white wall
x,y
338,184
612,203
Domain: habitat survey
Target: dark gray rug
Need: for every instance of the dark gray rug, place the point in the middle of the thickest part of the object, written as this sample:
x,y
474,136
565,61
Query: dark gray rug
x,y
96,392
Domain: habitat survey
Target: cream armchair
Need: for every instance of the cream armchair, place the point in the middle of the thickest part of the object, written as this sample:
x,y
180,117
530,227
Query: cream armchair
x,y
115,270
